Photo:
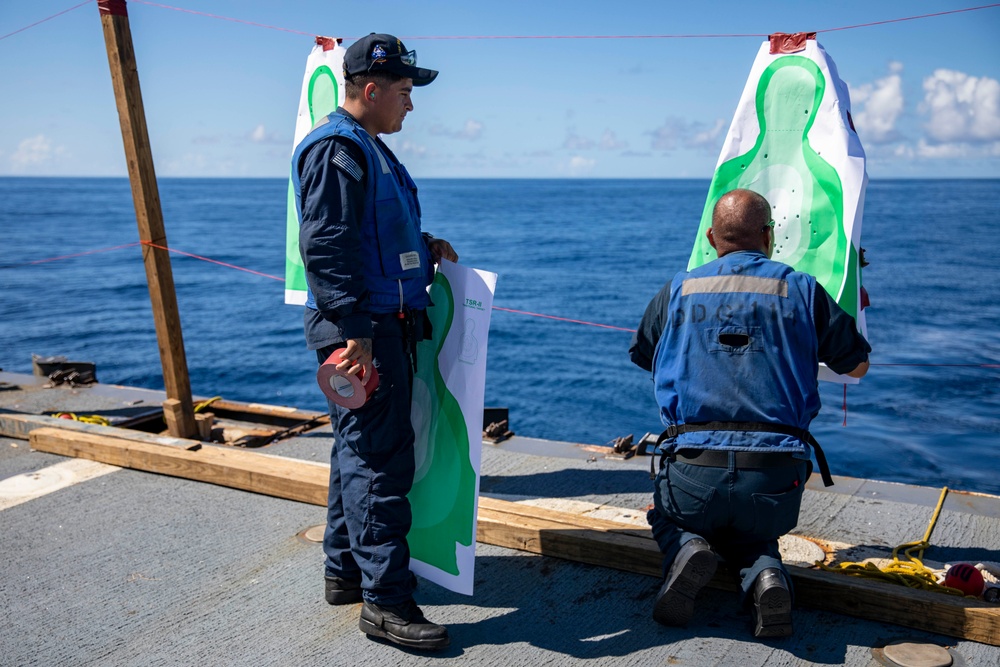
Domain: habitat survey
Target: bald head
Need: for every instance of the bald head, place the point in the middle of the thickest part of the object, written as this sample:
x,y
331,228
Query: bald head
x,y
739,222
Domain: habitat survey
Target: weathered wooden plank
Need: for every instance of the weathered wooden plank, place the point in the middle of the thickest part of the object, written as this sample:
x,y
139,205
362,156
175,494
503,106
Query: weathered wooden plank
x,y
967,618
592,541
148,215
538,530
20,425
279,411
303,481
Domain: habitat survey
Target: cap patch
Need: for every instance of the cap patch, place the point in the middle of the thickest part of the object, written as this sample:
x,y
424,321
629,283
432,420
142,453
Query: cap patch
x,y
378,53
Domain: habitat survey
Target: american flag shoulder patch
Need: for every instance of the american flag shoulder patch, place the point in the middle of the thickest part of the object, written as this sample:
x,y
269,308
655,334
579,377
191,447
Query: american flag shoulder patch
x,y
346,163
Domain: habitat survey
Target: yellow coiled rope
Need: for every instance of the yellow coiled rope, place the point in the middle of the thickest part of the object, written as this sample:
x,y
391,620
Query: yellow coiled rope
x,y
910,572
207,402
86,419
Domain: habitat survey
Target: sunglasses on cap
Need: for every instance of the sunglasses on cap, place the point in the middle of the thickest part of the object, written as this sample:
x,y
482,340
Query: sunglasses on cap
x,y
407,58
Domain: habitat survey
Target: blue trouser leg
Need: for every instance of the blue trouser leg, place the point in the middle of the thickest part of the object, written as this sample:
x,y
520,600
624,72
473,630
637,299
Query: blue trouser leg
x,y
669,537
740,512
336,539
373,450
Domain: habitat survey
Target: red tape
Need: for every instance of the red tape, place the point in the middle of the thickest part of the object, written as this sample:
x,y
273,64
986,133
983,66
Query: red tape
x,y
112,7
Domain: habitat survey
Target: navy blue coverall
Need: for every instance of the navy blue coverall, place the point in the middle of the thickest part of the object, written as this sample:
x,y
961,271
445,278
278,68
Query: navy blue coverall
x,y
372,462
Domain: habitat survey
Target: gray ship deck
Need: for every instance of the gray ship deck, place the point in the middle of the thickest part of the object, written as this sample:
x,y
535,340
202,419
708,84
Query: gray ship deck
x,y
122,567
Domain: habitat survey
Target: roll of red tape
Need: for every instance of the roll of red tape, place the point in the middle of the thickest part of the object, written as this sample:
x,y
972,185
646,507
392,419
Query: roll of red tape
x,y
349,391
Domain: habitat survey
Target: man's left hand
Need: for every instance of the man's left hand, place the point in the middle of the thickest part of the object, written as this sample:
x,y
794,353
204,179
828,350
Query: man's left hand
x,y
441,249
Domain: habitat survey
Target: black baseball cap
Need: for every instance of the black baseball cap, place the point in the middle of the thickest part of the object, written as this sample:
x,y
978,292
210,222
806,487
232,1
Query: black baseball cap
x,y
385,53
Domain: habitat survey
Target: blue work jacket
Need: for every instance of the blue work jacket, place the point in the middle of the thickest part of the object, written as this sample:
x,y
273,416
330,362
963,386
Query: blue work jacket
x,y
397,265
740,345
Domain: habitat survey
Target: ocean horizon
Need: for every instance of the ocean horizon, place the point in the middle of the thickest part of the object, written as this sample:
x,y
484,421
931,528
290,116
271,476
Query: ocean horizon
x,y
593,250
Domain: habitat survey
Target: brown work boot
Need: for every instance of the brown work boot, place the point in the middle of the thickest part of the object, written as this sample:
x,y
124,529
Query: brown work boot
x,y
693,567
772,605
403,624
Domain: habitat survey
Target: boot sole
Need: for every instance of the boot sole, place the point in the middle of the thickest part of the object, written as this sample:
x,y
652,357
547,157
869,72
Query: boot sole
x,y
773,613
675,602
373,630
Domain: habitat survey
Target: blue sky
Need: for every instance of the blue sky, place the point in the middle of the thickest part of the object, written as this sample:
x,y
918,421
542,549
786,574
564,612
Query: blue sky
x,y
221,97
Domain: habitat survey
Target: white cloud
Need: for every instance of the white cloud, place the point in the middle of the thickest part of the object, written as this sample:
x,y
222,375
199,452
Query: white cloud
x,y
946,150
708,137
575,142
902,150
957,149
34,152
878,105
677,133
260,135
407,147
961,108
610,142
578,165
665,137
470,131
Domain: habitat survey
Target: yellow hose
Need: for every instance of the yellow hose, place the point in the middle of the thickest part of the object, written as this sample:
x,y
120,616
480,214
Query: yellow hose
x,y
86,419
207,402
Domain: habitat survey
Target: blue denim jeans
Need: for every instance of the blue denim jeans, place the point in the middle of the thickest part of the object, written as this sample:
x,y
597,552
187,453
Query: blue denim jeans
x,y
740,512
371,472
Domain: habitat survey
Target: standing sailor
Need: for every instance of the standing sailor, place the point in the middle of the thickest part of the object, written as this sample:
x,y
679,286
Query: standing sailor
x,y
734,347
368,266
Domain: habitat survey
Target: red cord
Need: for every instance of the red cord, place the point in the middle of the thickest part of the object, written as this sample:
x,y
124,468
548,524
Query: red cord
x,y
213,261
48,18
845,404
507,310
454,37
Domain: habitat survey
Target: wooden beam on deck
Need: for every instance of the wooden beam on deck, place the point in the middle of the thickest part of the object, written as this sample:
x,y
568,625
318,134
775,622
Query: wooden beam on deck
x,y
20,425
538,530
148,215
278,476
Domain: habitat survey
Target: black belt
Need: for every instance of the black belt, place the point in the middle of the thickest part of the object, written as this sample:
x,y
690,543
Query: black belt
x,y
756,427
719,458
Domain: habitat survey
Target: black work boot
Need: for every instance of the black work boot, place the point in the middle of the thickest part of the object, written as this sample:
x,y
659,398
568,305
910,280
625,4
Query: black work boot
x,y
342,591
403,624
693,567
772,605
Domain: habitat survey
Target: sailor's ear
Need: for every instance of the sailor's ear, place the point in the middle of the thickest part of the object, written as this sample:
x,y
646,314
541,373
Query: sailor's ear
x,y
711,237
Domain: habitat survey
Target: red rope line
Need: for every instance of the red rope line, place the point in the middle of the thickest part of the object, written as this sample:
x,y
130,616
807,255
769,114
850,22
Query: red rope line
x,y
76,254
483,37
845,405
506,310
213,261
945,365
910,18
49,18
563,319
224,18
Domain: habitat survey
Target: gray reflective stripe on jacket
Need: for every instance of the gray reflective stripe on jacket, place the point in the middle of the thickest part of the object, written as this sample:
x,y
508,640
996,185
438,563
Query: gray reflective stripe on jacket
x,y
735,283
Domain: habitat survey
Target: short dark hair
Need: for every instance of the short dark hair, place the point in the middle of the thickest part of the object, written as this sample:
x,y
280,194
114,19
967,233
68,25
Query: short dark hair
x,y
354,86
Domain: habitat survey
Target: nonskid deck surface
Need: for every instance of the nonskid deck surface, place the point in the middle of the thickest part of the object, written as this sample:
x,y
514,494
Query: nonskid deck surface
x,y
132,568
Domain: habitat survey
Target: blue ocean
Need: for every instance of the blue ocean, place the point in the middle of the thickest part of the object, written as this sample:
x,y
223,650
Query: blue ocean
x,y
595,251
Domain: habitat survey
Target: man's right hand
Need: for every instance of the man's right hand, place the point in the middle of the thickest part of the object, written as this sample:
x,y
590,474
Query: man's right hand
x,y
357,356
860,370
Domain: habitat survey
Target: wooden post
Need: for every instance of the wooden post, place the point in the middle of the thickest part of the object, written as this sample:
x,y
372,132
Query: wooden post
x,y
148,215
